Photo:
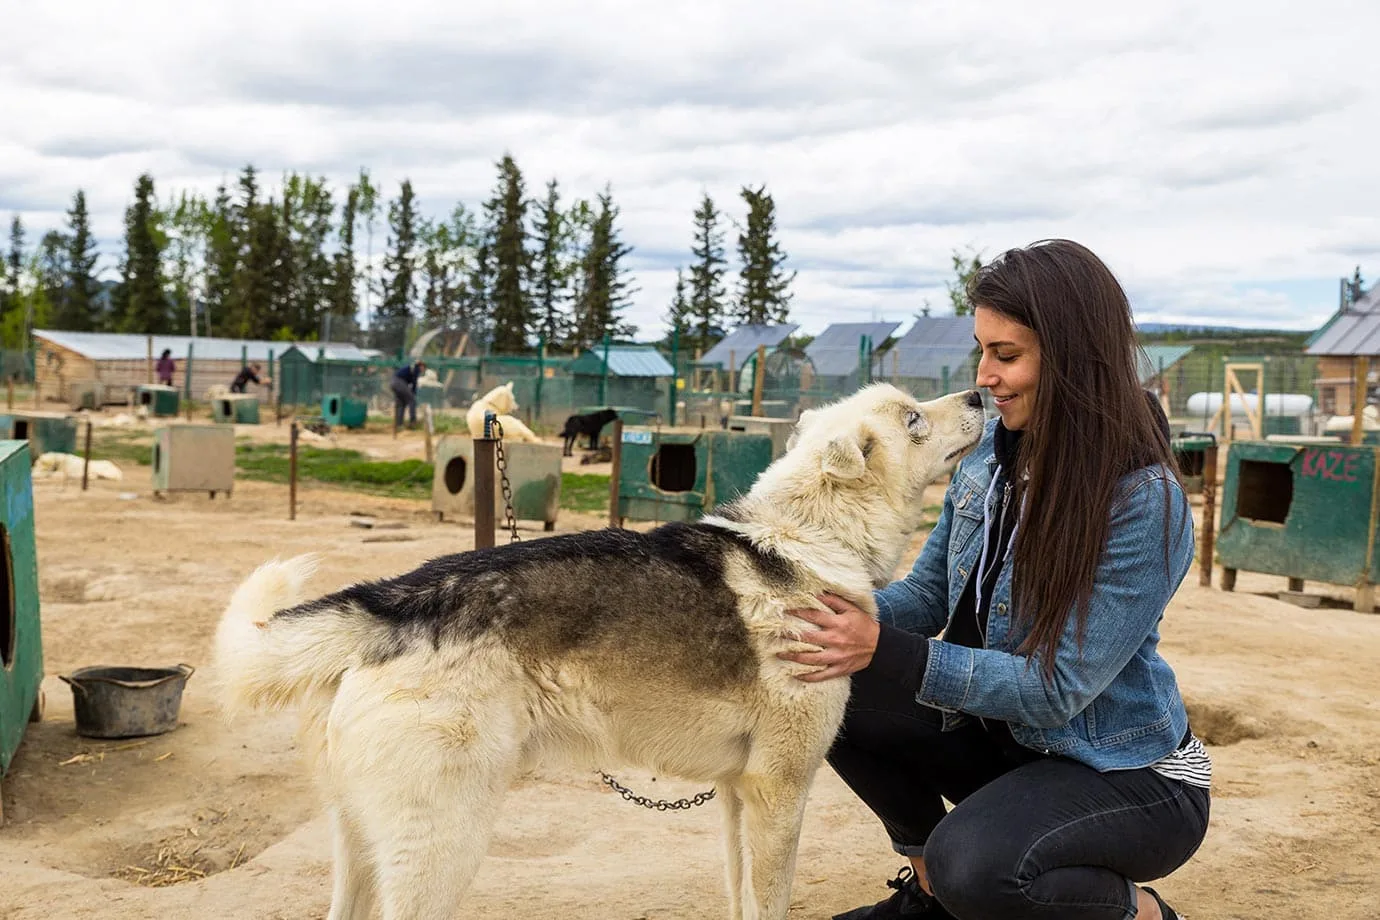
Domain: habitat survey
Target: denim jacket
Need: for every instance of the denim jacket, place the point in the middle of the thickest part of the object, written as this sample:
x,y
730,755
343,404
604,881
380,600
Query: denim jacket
x,y
1115,705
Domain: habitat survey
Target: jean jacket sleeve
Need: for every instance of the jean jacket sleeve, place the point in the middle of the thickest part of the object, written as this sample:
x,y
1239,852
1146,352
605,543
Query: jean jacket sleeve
x,y
919,603
1131,589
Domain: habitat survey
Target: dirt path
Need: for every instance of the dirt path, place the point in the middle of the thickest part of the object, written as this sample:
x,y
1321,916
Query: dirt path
x,y
1286,697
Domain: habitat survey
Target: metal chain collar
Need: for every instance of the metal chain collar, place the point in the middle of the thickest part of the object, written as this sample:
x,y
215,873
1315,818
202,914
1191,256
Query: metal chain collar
x,y
658,804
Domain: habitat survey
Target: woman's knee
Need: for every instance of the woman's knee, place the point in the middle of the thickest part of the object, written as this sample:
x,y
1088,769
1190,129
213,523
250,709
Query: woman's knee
x,y
972,874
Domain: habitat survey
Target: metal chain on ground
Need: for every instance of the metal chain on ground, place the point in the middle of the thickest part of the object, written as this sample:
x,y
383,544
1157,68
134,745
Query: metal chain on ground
x,y
501,460
660,805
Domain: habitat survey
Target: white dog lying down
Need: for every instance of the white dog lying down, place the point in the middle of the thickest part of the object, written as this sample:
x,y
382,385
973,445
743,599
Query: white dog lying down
x,y
499,400
425,696
68,466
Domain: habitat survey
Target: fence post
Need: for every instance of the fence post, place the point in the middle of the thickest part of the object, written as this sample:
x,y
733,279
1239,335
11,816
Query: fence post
x,y
86,456
1360,373
484,471
944,380
187,374
292,471
616,471
1209,514
675,375
759,374
272,377
603,377
148,362
541,370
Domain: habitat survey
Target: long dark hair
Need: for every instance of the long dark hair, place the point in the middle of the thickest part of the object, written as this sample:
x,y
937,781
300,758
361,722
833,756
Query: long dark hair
x,y
1090,425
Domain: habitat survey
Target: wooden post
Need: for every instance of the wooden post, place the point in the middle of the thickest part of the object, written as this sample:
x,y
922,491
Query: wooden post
x,y
759,375
485,468
9,392
1360,373
148,363
615,519
292,471
426,416
1209,515
732,371
86,457
38,398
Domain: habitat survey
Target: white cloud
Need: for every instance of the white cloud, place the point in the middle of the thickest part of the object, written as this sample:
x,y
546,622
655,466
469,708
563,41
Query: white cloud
x,y
1217,155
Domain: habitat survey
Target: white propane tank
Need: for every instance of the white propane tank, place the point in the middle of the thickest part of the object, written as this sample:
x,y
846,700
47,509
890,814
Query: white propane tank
x,y
1207,404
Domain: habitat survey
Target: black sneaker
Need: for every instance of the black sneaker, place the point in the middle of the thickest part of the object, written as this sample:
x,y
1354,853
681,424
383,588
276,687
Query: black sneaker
x,y
1166,912
909,900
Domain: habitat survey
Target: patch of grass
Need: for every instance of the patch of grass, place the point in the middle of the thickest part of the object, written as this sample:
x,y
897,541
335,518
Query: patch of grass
x,y
345,468
587,493
121,446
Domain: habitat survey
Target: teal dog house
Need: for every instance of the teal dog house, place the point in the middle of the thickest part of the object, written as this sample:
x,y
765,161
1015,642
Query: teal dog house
x,y
235,409
679,476
1307,512
340,410
45,433
160,400
21,649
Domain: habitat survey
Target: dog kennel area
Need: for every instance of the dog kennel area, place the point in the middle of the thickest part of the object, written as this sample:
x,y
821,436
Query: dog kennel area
x,y
679,476
194,458
1307,512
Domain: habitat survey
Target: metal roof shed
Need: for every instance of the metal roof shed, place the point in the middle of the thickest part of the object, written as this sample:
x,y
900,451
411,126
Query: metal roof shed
x,y
936,353
837,351
1352,332
634,378
736,347
1153,360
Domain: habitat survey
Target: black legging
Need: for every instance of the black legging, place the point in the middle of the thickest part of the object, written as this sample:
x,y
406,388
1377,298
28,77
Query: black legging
x,y
1030,837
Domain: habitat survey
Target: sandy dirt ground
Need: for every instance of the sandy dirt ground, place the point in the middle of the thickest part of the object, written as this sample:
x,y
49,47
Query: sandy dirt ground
x,y
1285,697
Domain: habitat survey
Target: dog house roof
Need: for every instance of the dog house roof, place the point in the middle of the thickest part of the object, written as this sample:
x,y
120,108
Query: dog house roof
x,y
624,361
1353,331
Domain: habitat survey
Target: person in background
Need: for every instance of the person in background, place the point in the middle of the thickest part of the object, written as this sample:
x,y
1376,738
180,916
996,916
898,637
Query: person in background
x,y
247,375
166,367
405,393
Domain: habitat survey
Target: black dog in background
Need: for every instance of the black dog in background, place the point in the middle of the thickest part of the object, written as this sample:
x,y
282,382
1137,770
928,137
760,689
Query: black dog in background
x,y
589,425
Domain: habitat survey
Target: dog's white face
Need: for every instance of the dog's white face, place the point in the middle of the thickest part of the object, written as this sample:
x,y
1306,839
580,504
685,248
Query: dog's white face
x,y
501,399
882,438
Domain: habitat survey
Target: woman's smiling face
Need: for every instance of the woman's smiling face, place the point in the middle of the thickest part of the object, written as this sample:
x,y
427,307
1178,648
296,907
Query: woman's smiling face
x,y
1009,368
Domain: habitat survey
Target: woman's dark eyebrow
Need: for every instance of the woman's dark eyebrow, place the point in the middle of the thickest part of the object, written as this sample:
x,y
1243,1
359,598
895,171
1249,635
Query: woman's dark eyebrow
x,y
995,344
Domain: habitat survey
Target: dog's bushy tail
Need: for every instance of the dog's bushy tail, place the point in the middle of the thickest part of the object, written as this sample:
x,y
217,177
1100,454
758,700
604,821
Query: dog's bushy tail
x,y
268,662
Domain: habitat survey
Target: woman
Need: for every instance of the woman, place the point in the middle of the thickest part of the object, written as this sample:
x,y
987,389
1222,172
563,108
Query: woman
x,y
1045,714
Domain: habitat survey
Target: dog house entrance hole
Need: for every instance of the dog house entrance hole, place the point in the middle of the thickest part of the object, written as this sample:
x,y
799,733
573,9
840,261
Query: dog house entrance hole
x,y
21,429
1190,461
455,475
145,398
1265,491
226,409
333,406
8,627
673,467
157,457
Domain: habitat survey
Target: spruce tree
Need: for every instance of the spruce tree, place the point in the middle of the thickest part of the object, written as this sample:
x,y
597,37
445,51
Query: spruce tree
x,y
679,316
507,212
399,271
344,303
550,285
188,225
763,295
143,306
449,267
78,308
222,261
707,275
606,291
14,263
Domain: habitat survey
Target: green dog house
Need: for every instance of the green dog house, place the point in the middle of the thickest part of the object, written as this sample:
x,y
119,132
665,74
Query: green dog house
x,y
235,409
340,410
1307,512
160,400
679,476
21,649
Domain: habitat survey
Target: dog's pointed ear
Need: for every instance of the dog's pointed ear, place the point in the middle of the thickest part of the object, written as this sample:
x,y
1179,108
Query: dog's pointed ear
x,y
799,427
844,459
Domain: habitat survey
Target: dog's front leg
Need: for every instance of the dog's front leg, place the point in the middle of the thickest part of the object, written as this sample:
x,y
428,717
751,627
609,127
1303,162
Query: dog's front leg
x,y
773,808
735,856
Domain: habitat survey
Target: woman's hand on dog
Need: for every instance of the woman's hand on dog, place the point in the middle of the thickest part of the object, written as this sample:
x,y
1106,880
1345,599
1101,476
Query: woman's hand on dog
x,y
847,639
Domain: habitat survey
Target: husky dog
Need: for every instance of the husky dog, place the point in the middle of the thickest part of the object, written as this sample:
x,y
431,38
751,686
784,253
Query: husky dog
x,y
501,402
425,696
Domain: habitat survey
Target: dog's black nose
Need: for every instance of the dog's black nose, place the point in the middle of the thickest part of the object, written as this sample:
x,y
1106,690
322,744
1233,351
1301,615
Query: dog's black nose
x,y
975,399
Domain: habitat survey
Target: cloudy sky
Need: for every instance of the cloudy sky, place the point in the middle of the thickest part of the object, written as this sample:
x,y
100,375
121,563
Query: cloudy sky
x,y
1220,156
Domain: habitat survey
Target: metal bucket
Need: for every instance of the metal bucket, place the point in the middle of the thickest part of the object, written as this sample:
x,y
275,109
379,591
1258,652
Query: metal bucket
x,y
127,702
